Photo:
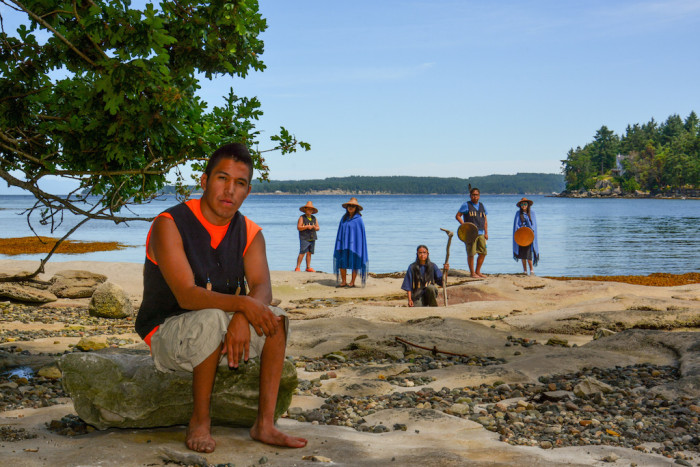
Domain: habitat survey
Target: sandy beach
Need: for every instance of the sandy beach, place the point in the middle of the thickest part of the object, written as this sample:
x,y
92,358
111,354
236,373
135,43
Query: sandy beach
x,y
517,339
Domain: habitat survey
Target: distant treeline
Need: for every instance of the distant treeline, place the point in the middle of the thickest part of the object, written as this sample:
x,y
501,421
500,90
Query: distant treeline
x,y
492,184
653,157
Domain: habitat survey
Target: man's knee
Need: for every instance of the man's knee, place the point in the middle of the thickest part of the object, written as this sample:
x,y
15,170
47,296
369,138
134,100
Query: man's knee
x,y
214,318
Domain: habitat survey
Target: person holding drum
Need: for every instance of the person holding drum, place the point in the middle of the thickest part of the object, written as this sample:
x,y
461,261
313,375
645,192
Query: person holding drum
x,y
473,230
525,246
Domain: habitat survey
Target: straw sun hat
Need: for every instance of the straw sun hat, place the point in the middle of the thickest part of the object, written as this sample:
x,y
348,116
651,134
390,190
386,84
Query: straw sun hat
x,y
353,201
529,202
309,204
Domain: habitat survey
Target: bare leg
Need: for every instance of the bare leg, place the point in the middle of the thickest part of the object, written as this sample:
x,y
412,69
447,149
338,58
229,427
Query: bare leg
x,y
479,261
524,266
529,261
343,277
199,430
354,275
308,260
271,362
299,258
470,262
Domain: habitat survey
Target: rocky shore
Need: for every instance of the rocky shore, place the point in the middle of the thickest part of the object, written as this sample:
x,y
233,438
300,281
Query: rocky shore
x,y
514,376
607,189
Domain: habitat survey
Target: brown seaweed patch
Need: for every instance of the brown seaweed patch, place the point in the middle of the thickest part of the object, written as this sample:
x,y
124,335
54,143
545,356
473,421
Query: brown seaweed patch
x,y
658,279
34,245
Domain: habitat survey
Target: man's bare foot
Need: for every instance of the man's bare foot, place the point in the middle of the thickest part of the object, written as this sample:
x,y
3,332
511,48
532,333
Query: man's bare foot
x,y
275,437
481,275
199,437
474,275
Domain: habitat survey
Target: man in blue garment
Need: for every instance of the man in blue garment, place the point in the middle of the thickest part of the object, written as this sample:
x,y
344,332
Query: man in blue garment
x,y
474,211
422,278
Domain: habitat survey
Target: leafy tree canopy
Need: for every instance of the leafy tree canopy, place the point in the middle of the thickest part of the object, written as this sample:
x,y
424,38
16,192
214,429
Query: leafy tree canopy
x,y
104,94
653,157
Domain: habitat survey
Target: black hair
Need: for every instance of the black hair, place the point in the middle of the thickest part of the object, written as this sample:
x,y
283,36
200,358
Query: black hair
x,y
427,259
527,209
346,216
472,190
236,151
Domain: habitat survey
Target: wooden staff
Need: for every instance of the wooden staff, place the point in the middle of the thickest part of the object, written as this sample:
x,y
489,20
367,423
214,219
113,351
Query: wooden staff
x,y
447,260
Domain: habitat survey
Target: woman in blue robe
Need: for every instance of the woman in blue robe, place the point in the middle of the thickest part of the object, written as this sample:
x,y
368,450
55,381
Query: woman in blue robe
x,y
351,246
525,217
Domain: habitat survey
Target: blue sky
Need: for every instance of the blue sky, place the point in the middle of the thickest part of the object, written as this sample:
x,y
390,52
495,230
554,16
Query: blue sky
x,y
464,88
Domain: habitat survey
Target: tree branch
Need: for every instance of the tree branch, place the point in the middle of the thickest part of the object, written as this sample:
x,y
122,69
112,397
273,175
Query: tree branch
x,y
97,47
47,199
56,33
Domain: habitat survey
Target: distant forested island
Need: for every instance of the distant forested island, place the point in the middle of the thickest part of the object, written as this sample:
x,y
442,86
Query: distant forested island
x,y
521,183
648,159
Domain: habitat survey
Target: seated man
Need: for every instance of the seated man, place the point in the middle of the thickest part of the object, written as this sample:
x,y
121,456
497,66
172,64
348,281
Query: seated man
x,y
420,279
200,257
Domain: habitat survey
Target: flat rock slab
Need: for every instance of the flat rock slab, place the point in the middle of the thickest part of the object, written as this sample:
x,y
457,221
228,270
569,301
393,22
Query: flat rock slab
x,y
25,293
123,389
73,283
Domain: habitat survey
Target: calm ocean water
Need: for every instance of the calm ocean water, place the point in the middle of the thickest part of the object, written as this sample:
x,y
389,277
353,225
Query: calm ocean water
x,y
577,237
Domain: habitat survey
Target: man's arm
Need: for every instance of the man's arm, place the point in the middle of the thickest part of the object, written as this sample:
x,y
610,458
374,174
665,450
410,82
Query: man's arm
x,y
486,227
257,271
406,285
458,216
300,225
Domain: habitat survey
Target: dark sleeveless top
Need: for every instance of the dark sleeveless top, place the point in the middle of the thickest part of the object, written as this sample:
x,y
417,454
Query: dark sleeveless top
x,y
475,216
308,235
421,281
222,267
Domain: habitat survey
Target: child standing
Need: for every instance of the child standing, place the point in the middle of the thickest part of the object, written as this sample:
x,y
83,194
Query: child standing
x,y
307,227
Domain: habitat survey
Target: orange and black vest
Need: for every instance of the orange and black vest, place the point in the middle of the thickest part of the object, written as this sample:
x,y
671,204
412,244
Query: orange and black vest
x,y
222,267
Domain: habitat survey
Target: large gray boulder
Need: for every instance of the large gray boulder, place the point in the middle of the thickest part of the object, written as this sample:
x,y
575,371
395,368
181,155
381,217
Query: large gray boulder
x,y
72,283
110,301
123,389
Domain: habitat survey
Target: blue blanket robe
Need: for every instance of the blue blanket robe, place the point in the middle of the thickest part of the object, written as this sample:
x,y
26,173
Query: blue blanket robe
x,y
531,222
351,247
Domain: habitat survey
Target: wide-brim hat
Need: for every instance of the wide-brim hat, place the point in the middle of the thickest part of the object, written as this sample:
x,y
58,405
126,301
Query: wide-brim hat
x,y
309,204
529,202
354,202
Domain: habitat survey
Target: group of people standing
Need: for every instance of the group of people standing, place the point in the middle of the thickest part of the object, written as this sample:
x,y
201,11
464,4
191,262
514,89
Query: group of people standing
x,y
350,252
473,211
422,276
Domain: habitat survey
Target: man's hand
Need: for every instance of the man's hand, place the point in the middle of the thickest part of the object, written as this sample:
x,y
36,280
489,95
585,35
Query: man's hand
x,y
237,341
446,266
486,235
260,317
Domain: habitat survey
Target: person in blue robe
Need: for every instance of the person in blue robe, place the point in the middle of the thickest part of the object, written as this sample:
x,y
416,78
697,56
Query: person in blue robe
x,y
351,246
525,217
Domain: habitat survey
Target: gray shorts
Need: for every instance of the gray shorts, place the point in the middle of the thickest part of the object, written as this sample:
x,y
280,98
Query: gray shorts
x,y
306,246
184,341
